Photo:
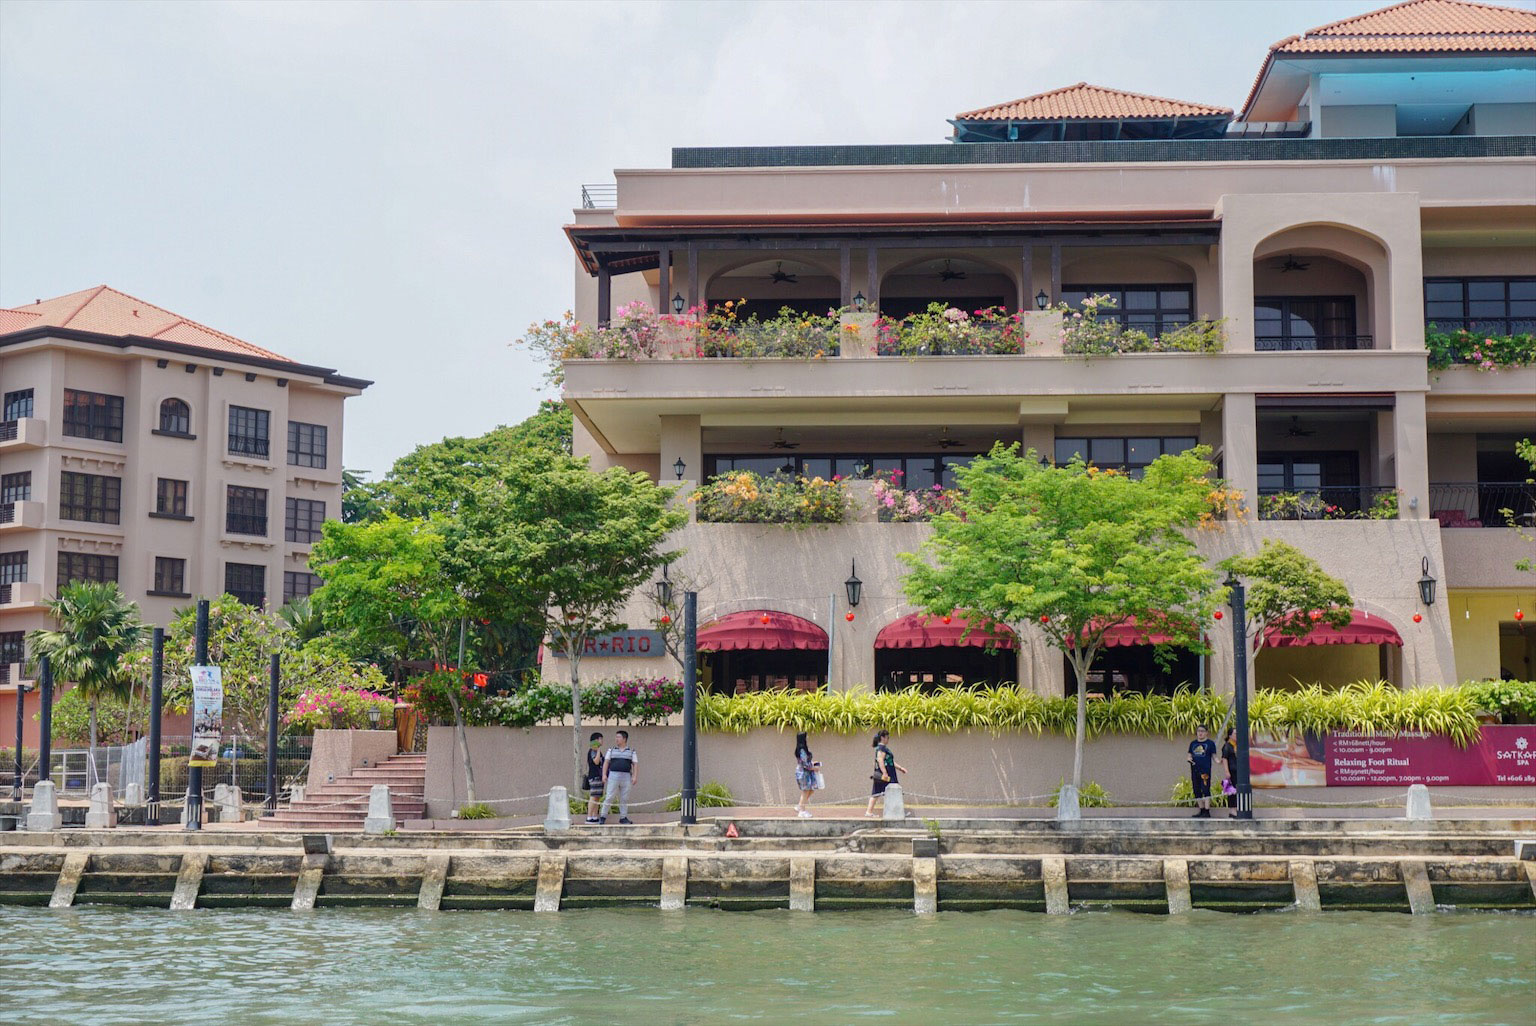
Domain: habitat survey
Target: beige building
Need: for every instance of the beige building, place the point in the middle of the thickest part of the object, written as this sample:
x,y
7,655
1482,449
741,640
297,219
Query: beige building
x,y
1380,178
140,447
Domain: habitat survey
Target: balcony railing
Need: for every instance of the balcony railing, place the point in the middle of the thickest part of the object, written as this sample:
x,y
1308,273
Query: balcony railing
x,y
1483,503
7,513
5,594
249,445
1343,502
600,197
1278,344
245,523
8,429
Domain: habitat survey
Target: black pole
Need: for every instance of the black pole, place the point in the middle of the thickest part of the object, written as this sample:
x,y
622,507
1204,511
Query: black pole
x,y
45,720
1240,698
272,684
195,773
21,722
690,707
156,704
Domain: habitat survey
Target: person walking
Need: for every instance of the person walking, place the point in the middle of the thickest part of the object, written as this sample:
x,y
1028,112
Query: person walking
x,y
1202,751
807,775
592,780
1229,756
885,771
621,770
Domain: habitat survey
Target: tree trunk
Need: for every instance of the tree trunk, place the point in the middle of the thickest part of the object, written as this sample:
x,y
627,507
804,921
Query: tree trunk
x,y
462,737
575,658
1081,672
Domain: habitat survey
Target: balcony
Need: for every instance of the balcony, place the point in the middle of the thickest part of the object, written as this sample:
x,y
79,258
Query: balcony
x,y
21,595
23,515
25,433
1458,504
1312,344
1348,502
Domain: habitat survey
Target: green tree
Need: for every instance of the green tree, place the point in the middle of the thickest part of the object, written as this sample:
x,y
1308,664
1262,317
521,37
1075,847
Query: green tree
x,y
1073,550
1286,592
553,543
98,628
1526,450
358,502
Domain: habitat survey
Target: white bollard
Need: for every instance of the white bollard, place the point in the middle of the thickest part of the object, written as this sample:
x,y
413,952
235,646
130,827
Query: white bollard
x,y
895,806
1067,807
44,813
558,817
296,793
381,814
230,810
133,794
1418,802
101,815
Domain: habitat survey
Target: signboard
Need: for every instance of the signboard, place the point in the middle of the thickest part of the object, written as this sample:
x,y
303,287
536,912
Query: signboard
x,y
624,643
1503,756
207,714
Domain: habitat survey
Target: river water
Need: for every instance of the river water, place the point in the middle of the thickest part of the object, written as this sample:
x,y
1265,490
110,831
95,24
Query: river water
x,y
102,966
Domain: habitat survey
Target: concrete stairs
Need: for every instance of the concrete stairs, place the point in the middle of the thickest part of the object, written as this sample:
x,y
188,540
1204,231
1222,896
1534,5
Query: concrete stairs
x,y
343,804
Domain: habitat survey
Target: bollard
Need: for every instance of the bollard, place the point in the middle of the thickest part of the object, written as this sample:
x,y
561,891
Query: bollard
x,y
230,810
133,794
1067,808
44,812
381,814
558,816
101,815
296,793
1418,802
895,806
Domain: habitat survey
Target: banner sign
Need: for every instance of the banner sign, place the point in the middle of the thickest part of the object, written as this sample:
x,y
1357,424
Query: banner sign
x,y
207,714
620,643
1503,756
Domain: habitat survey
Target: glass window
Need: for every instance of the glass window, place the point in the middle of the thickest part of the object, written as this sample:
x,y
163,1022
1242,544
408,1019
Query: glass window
x,y
1155,309
171,497
93,498
248,434
1068,449
246,582
1106,452
304,517
16,487
245,511
86,566
297,584
817,466
306,445
18,404
13,647
93,415
175,417
1495,306
170,575
1291,323
13,567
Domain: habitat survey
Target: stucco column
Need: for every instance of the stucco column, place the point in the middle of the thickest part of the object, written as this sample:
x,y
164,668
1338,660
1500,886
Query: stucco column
x,y
1411,455
1235,274
681,438
1239,445
1041,438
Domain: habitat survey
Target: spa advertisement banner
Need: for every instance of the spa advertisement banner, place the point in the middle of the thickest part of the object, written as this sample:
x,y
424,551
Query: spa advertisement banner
x,y
207,714
1504,755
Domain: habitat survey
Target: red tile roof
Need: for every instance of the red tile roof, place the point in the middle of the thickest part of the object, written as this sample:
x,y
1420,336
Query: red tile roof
x,y
107,311
1090,102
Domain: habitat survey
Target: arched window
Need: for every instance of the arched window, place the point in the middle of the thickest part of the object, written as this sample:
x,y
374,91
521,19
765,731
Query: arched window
x,y
175,417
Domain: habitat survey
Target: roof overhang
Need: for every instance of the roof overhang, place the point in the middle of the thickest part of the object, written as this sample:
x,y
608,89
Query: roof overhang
x,y
1283,78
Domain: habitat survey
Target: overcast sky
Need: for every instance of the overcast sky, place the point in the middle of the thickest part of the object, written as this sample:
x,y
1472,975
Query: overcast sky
x,y
380,188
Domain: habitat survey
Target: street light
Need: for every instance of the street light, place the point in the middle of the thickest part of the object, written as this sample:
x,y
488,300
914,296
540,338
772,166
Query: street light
x,y
21,701
373,715
1427,585
1240,695
854,586
679,468
677,303
1041,299
859,301
664,590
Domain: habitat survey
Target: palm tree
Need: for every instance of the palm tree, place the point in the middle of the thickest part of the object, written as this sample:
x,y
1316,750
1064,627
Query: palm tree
x,y
98,628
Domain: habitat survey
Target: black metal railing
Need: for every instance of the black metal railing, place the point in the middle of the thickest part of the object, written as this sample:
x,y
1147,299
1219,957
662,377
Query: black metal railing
x,y
1334,502
1489,326
8,429
245,523
1483,503
7,512
1280,344
249,445
5,598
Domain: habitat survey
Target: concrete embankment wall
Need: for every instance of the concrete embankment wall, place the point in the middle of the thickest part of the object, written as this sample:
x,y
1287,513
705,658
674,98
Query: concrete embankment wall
x,y
966,767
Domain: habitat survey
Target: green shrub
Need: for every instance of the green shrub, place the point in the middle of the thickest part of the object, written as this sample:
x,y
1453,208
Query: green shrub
x,y
1509,700
1485,352
713,795
632,700
1184,794
745,497
944,330
476,810
1085,333
1089,796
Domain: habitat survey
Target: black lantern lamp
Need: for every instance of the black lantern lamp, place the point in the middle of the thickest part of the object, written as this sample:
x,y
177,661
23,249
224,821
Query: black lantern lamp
x,y
1041,299
679,468
373,715
664,590
677,303
859,301
1427,585
854,585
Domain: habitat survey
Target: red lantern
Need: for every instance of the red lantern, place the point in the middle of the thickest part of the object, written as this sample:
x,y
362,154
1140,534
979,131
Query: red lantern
x,y
848,616
481,680
1218,614
1418,618
947,619
764,618
665,620
1519,614
1045,619
1315,615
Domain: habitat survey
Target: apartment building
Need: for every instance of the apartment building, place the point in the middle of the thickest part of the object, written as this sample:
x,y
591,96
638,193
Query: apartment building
x,y
1378,179
141,447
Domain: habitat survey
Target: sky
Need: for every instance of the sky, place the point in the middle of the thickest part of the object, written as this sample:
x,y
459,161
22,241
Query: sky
x,y
380,188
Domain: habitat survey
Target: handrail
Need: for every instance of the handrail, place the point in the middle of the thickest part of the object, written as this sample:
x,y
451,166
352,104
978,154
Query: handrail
x,y
600,196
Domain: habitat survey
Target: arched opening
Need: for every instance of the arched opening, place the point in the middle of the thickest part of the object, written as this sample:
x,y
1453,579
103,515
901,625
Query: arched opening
x,y
1368,649
964,281
762,649
762,288
1129,661
925,652
1320,287
175,417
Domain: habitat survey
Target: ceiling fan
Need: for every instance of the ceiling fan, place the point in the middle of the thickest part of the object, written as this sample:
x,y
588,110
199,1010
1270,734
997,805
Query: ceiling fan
x,y
778,277
1296,430
946,442
782,443
950,274
1290,263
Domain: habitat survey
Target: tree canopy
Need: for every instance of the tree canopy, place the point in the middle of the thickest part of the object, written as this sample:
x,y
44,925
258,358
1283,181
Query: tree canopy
x,y
1286,591
97,629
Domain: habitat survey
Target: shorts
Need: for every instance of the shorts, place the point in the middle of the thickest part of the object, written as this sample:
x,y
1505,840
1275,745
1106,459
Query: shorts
x,y
1201,781
593,787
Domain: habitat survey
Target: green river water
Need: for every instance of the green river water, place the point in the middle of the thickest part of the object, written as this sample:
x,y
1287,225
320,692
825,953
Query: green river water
x,y
341,967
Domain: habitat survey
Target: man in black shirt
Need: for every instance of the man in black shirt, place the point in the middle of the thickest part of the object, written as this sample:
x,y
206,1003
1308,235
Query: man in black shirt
x,y
1202,751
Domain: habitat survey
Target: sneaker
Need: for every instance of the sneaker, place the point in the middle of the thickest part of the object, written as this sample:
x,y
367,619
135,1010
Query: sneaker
x,y
626,820
591,819
1199,814
805,813
870,815
602,819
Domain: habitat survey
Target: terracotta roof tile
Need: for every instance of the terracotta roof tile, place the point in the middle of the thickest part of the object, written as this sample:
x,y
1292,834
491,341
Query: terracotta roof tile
x,y
1090,102
109,312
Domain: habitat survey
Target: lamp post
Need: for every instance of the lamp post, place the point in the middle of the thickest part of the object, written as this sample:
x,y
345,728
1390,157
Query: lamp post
x,y
677,303
690,796
373,716
1240,695
156,704
679,468
859,301
274,680
21,702
45,718
195,773
1041,299
1427,585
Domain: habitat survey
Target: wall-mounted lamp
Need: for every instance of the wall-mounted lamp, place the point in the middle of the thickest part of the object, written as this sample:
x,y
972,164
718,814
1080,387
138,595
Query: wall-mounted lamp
x,y
679,468
1041,299
854,586
664,590
859,301
1426,584
677,303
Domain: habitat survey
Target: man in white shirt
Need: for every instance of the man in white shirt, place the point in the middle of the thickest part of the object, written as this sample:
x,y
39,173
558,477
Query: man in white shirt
x,y
621,771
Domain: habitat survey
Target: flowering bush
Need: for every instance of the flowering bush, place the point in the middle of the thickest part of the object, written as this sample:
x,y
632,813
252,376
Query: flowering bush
x,y
1085,333
744,497
430,692
337,707
720,332
1485,352
895,504
632,700
943,330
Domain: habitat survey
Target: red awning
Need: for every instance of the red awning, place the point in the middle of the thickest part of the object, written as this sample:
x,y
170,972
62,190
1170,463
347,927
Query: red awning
x,y
1363,629
919,631
1128,633
747,630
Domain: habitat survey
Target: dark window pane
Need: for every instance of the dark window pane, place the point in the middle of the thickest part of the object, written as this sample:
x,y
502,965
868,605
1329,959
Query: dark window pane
x,y
93,415
18,404
1143,450
1107,452
248,432
16,487
1442,290
85,566
920,473
1487,308
246,582
175,417
1067,448
1522,288
1179,443
303,520
170,575
1140,299
1452,310
92,498
817,466
13,567
171,497
1175,299
246,510
306,445
1485,290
